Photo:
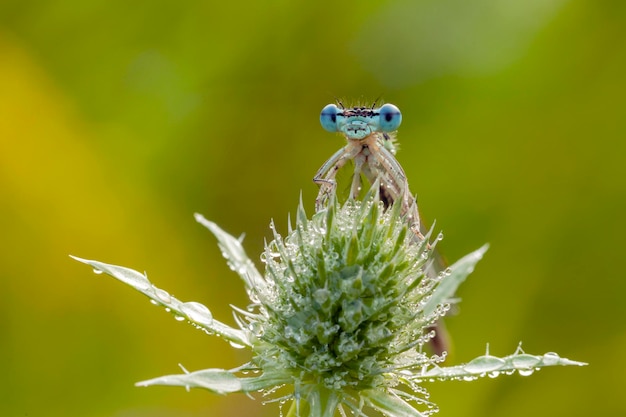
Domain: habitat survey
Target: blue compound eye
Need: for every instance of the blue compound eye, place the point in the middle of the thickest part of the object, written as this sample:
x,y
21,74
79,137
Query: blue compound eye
x,y
390,118
328,118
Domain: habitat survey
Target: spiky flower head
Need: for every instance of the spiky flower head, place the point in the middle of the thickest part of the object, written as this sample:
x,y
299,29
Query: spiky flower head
x,y
341,315
343,306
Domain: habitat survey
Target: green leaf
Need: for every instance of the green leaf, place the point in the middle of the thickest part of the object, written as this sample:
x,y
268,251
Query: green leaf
x,y
520,361
317,402
193,311
322,402
449,284
267,380
238,260
389,404
218,381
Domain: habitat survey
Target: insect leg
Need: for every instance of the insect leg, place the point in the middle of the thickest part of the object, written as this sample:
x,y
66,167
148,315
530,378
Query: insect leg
x,y
325,176
355,188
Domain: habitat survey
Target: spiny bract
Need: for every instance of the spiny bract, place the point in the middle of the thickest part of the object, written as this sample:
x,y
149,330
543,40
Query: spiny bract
x,y
343,305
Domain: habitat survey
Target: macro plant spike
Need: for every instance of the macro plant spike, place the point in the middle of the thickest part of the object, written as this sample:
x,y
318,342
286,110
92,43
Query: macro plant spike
x,y
339,318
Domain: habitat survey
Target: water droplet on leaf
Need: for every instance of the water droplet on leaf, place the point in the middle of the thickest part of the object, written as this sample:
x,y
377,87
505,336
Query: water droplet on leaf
x,y
197,312
551,358
525,361
163,295
486,363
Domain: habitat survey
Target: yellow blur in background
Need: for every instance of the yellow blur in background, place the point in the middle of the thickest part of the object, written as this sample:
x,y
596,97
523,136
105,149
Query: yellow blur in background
x,y
120,120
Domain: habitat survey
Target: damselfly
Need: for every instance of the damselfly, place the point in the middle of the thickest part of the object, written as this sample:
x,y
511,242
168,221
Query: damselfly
x,y
370,135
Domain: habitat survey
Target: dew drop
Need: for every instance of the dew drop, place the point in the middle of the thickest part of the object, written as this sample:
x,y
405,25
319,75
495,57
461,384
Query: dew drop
x,y
197,312
551,358
486,363
525,372
163,295
524,361
236,345
98,271
154,302
493,374
178,318
256,328
434,372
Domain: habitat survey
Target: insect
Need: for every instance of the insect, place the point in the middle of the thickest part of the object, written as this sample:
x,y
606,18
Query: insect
x,y
370,133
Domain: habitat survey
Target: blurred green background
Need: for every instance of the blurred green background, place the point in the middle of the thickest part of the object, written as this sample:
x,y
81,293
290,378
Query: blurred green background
x,y
119,120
